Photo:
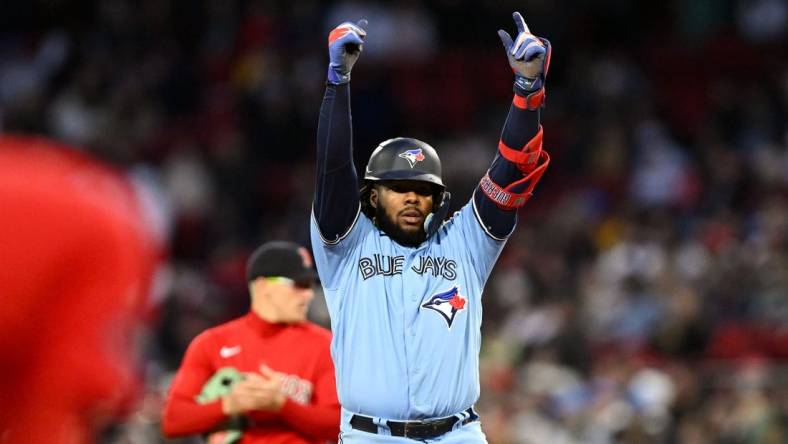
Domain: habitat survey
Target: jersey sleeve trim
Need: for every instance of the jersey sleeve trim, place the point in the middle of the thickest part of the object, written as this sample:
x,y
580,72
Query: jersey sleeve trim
x,y
481,222
339,237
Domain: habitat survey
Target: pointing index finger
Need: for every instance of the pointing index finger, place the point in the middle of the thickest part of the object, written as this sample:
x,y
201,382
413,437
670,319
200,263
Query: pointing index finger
x,y
362,24
520,22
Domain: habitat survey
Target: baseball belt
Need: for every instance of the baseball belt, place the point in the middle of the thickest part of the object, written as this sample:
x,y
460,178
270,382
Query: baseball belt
x,y
423,429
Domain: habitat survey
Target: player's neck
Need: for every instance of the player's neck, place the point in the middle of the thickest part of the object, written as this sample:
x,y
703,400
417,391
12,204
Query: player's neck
x,y
263,327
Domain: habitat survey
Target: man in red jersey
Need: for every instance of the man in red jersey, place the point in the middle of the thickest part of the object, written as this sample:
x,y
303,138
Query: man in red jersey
x,y
76,256
267,376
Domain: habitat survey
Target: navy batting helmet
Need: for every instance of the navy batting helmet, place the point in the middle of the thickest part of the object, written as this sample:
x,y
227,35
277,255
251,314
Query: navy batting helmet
x,y
404,158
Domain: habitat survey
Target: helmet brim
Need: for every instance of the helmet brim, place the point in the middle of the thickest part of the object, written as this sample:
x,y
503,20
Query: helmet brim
x,y
416,175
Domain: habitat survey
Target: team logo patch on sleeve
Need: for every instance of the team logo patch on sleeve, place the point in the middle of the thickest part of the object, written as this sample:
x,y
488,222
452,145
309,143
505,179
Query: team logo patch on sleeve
x,y
412,156
447,304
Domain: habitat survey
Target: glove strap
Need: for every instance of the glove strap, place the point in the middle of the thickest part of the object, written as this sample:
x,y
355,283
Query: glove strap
x,y
336,78
524,85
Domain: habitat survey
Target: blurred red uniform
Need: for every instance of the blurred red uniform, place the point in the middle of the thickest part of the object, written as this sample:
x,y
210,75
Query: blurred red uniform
x,y
302,407
311,412
75,265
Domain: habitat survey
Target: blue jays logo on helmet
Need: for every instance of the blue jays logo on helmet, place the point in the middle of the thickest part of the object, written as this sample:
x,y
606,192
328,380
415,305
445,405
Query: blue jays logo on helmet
x,y
412,156
447,304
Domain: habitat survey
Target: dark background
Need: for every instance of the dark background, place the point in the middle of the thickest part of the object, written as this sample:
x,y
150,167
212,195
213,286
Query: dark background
x,y
644,295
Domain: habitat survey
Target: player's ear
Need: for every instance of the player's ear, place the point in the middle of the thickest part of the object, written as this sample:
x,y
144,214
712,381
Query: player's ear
x,y
373,196
257,286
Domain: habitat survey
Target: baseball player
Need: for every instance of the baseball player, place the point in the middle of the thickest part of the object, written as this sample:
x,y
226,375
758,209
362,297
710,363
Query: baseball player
x,y
403,286
76,257
267,376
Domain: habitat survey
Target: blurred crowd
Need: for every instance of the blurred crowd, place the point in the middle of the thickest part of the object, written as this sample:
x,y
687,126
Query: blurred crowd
x,y
643,297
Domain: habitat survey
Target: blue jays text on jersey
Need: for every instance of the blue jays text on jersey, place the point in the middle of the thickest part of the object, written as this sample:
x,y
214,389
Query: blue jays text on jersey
x,y
382,265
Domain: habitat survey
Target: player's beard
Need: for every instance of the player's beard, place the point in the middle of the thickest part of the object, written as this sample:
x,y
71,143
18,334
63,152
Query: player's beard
x,y
403,237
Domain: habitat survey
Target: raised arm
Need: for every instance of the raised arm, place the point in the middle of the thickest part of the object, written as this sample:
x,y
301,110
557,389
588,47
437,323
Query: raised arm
x,y
520,161
336,202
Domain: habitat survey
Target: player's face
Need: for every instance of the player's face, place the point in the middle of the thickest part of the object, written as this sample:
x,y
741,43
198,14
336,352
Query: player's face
x,y
286,301
400,209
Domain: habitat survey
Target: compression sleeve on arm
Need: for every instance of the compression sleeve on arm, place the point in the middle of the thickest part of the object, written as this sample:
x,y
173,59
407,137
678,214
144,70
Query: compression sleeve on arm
x,y
336,202
521,129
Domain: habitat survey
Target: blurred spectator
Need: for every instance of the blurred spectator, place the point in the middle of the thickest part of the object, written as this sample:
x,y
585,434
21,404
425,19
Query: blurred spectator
x,y
78,254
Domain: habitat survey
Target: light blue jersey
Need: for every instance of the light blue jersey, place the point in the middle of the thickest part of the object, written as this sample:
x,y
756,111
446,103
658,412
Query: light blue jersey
x,y
406,321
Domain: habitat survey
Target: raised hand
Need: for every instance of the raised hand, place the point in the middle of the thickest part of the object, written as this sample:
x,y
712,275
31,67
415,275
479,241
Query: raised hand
x,y
529,56
345,43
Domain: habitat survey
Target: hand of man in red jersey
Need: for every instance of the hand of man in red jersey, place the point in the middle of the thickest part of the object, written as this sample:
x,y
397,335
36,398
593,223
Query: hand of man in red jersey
x,y
258,391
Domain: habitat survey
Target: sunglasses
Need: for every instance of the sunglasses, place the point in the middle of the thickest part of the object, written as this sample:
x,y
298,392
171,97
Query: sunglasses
x,y
302,283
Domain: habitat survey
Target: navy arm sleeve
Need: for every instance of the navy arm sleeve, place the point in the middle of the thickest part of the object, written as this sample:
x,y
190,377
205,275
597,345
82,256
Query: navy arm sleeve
x,y
520,127
336,202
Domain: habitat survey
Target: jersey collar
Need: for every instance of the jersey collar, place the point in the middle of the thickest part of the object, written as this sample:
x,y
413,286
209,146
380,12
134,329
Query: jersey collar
x,y
261,326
